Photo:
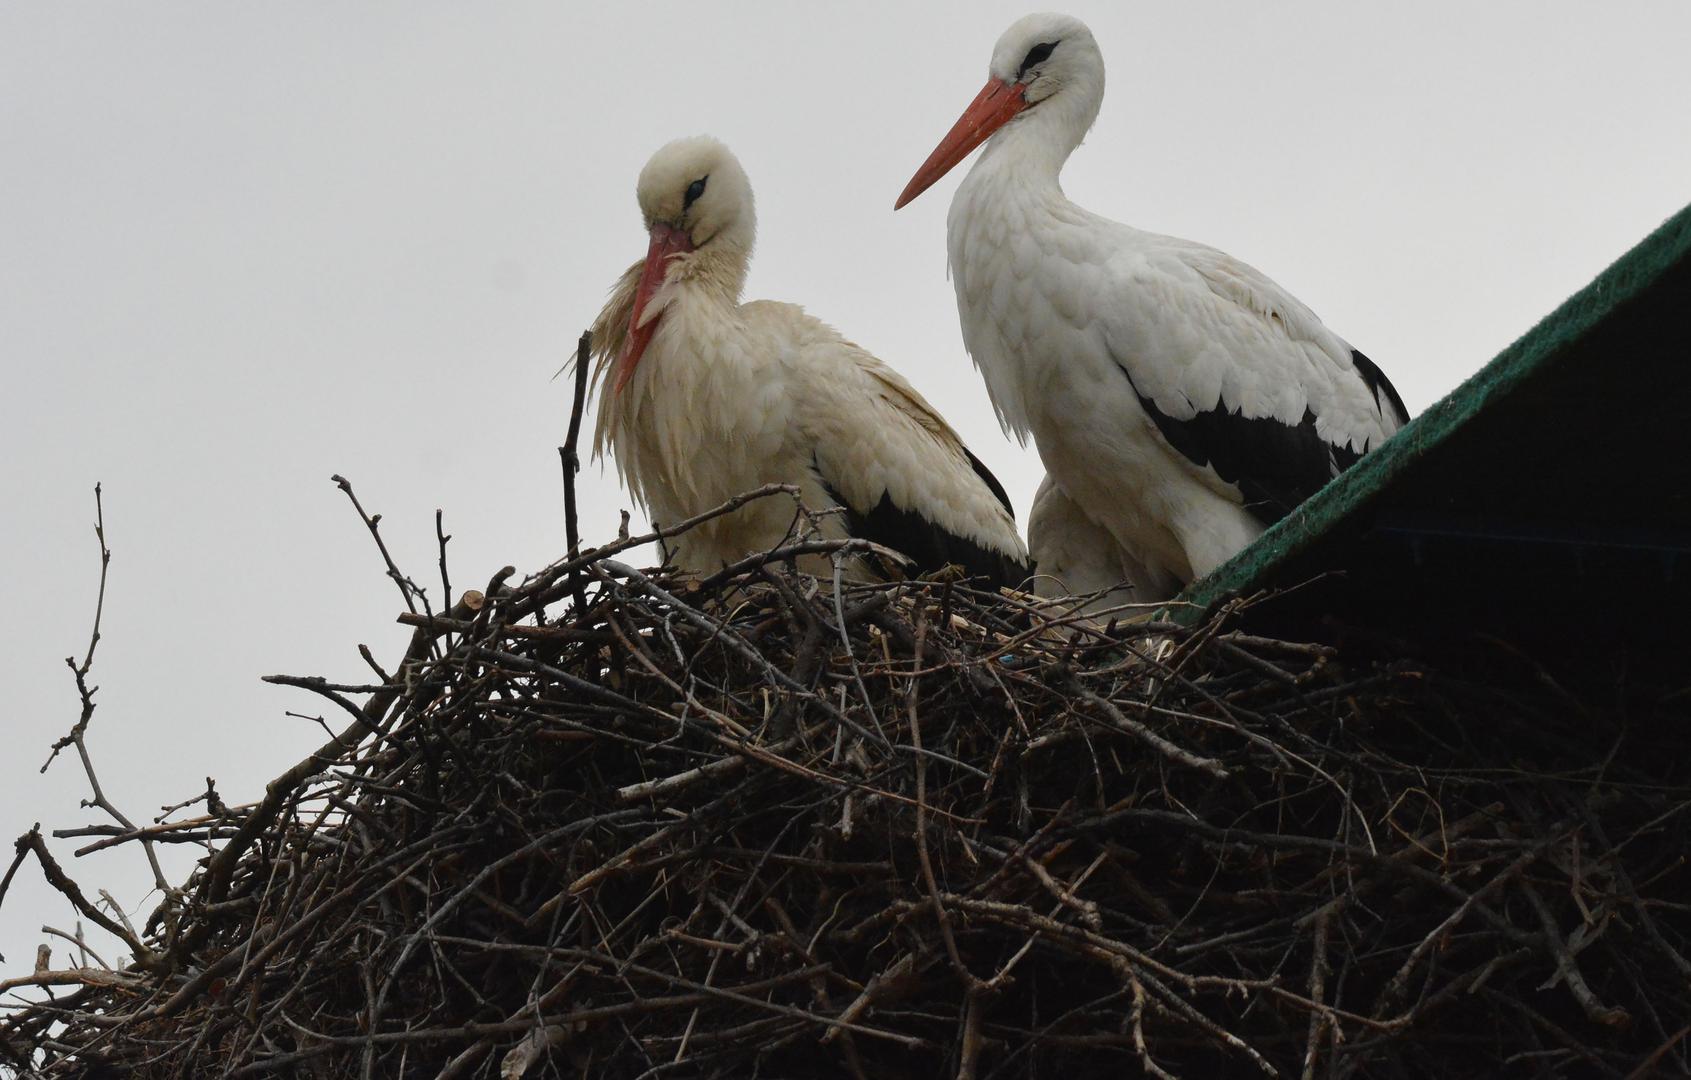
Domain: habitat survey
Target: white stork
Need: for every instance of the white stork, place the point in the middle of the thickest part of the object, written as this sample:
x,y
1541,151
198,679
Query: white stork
x,y
1180,400
703,398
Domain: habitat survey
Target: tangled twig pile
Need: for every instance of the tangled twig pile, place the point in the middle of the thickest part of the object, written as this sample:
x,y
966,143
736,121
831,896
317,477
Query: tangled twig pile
x,y
614,823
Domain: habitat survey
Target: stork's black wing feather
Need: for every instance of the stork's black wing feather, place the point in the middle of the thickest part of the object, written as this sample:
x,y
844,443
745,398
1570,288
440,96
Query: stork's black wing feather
x,y
985,474
1378,384
1276,465
929,546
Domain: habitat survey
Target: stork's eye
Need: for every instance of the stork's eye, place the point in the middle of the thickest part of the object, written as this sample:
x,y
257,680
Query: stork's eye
x,y
1036,55
694,190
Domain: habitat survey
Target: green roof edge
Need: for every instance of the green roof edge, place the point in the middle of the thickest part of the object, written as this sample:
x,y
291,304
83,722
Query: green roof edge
x,y
1359,485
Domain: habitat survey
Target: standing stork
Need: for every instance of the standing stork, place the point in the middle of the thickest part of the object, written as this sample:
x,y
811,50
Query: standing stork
x,y
703,398
1180,400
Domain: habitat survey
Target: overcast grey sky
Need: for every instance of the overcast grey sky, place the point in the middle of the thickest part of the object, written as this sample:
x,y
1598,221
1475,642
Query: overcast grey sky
x,y
243,247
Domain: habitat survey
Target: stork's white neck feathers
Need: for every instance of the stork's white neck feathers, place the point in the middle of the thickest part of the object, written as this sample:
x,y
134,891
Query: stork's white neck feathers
x,y
1008,204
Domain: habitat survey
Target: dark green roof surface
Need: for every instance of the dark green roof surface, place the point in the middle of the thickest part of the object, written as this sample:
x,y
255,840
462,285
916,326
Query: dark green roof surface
x,y
1556,481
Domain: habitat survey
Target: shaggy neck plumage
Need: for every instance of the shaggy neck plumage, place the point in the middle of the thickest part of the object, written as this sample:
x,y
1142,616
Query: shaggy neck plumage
x,y
717,270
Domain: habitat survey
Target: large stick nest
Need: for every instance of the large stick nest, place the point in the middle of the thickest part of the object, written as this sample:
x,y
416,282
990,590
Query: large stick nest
x,y
619,824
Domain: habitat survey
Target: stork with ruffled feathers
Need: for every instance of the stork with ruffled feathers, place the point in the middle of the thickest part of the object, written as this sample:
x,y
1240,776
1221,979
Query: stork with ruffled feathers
x,y
703,398
1181,401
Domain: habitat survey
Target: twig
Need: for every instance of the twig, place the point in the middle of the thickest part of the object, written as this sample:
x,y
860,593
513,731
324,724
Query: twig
x,y
57,878
1569,970
572,465
79,731
1149,737
407,588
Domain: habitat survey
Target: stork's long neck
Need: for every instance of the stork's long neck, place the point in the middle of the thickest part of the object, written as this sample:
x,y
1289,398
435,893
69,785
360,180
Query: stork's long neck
x,y
1013,190
717,275
1028,153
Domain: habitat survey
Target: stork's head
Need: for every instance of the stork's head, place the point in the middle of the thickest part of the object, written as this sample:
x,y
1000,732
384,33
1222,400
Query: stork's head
x,y
1046,72
697,205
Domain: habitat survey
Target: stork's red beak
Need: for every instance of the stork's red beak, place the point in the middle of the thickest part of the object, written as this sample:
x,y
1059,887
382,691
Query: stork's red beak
x,y
667,242
992,108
